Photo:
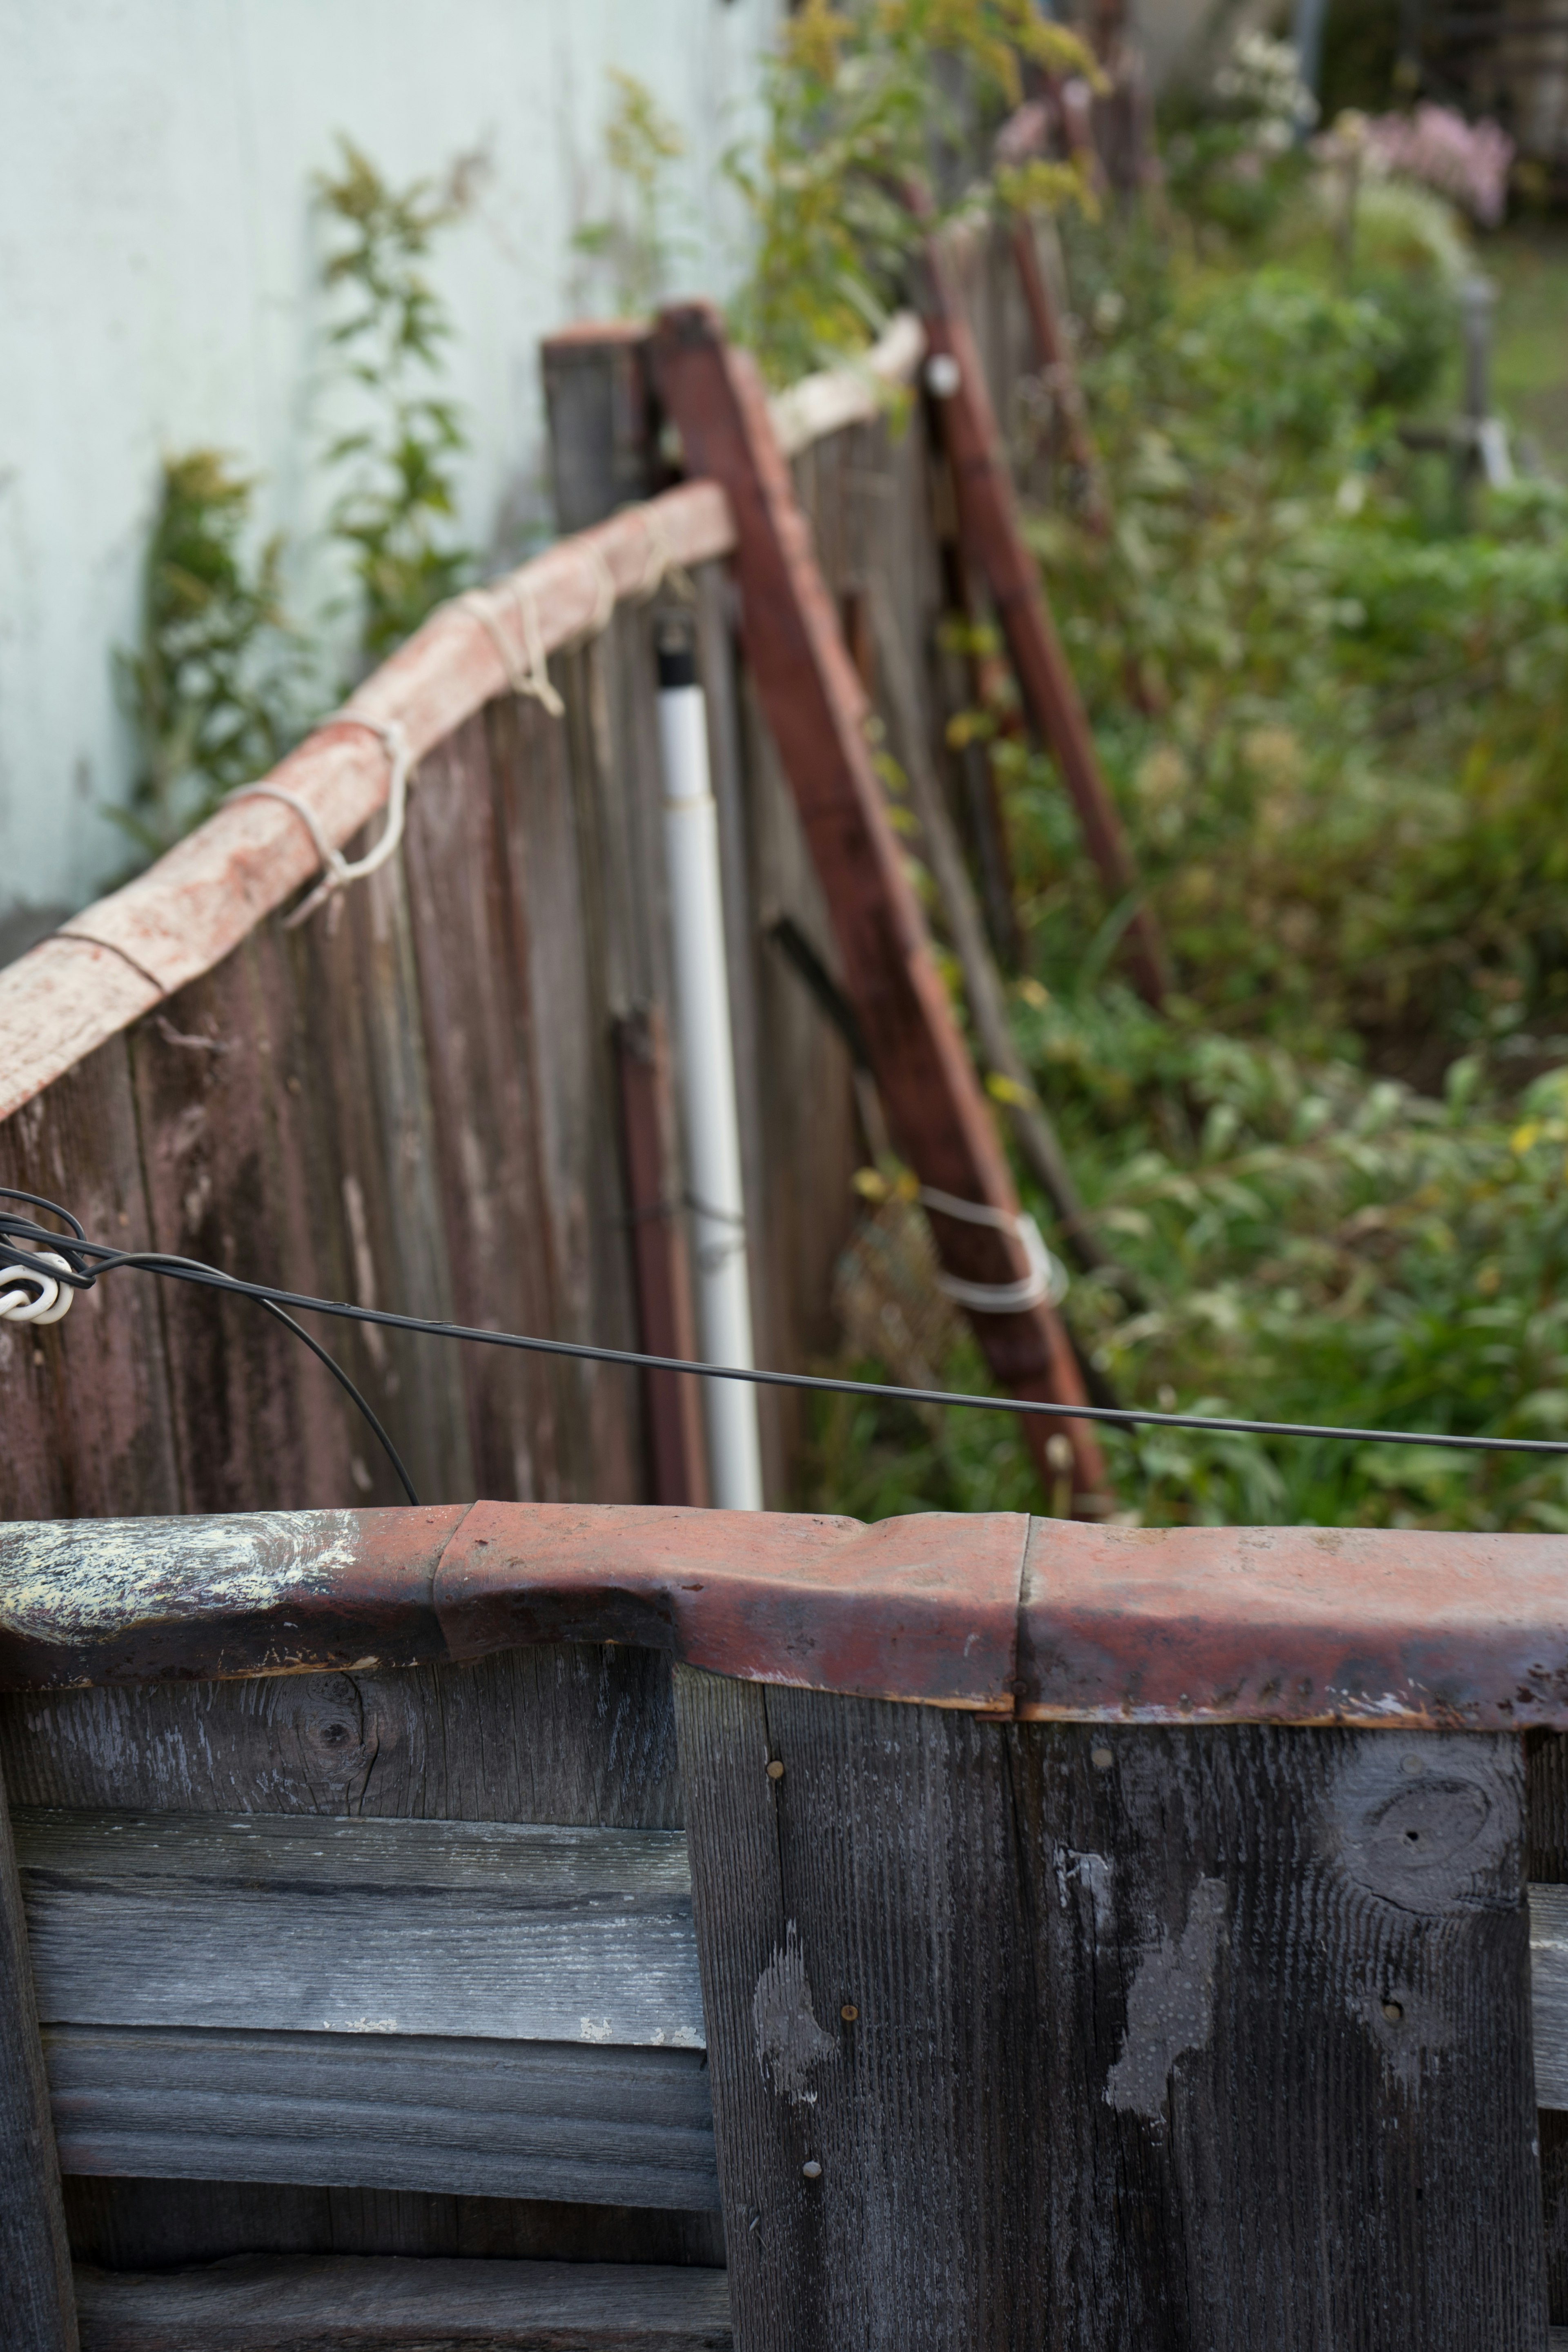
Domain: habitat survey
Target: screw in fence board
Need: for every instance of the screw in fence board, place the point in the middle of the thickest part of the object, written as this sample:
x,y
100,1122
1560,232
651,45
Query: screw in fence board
x,y
36,2304
604,444
989,530
816,708
1159,2038
674,1406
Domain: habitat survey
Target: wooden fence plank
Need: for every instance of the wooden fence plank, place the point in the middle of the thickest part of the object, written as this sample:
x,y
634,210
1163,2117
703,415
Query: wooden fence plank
x,y
995,547
555,877
677,1464
460,2116
330,2304
566,1735
816,710
357,987
494,1928
235,1177
473,949
87,1429
1183,2037
1279,2037
855,1922
36,2300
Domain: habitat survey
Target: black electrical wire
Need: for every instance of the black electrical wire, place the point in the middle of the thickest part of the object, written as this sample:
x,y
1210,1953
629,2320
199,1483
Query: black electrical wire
x,y
343,1381
14,1231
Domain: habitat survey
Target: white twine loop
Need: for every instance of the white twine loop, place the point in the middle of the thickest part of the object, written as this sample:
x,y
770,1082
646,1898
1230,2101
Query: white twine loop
x,y
53,1299
660,563
336,869
534,682
605,596
1045,1284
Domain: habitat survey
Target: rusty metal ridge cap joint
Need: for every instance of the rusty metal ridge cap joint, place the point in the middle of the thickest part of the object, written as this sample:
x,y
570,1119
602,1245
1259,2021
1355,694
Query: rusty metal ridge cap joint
x,y
997,1615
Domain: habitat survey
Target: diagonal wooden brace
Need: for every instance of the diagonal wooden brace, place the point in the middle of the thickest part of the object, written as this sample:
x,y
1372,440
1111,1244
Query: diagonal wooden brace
x,y
997,553
817,709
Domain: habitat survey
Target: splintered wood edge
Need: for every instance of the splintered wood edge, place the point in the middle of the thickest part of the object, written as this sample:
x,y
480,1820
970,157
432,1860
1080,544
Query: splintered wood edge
x,y
1039,1620
127,953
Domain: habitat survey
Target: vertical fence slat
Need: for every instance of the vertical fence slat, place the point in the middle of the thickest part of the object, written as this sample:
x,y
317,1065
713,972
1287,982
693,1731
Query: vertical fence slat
x,y
234,1179
37,2308
673,1402
876,1875
550,842
85,1423
472,942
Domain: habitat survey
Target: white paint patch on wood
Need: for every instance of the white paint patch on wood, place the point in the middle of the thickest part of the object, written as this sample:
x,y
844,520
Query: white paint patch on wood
x,y
1170,2006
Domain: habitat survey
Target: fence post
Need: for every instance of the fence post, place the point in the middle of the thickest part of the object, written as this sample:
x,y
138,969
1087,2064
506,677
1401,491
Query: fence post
x,y
817,709
37,2304
604,451
988,526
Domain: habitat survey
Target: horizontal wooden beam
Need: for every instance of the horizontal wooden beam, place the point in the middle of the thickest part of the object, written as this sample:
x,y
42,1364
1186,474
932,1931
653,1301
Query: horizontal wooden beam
x,y
438,2114
360,1926
1041,1618
127,952
260,2302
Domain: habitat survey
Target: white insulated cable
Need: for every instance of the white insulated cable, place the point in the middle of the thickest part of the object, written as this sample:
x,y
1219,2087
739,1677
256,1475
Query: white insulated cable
x,y
706,1067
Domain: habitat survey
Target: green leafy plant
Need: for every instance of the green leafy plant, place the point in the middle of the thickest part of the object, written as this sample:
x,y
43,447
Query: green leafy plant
x,y
396,509
860,106
1337,1165
213,685
634,244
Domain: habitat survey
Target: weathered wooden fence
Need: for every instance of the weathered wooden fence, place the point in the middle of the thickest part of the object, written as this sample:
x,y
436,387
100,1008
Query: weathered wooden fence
x,y
976,1933
428,1097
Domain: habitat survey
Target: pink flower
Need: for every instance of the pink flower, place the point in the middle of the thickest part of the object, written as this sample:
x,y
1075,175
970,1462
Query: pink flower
x,y
1468,162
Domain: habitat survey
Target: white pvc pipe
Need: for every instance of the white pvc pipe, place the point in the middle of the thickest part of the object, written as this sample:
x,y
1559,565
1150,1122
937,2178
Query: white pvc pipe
x,y
705,1077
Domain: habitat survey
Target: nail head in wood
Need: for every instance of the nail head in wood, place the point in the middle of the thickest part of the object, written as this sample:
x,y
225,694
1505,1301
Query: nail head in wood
x,y
775,1769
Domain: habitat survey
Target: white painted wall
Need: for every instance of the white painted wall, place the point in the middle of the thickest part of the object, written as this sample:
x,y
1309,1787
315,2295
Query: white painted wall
x,y
159,292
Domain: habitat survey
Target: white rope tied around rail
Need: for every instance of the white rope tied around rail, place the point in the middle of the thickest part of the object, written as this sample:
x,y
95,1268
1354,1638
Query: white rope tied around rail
x,y
661,564
1045,1284
529,680
336,869
43,1300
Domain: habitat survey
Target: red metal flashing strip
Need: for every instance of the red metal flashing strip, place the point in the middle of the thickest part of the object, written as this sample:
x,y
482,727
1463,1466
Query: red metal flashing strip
x,y
997,1615
920,1608
1294,1626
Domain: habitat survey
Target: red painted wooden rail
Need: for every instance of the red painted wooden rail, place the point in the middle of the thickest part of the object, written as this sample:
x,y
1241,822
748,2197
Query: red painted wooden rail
x,y
996,1613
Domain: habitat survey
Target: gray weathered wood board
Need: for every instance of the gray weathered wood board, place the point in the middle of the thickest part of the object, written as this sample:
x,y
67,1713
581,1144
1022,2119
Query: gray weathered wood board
x,y
1549,1981
566,1733
36,2300
1158,2038
329,2303
464,2117
504,1929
